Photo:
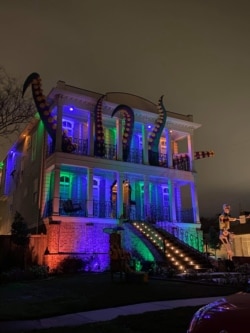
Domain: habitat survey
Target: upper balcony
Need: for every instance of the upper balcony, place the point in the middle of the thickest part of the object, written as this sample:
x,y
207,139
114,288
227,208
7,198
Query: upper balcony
x,y
179,161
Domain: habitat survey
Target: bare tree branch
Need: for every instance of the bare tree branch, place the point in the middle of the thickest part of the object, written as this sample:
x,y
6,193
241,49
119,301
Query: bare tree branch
x,y
14,109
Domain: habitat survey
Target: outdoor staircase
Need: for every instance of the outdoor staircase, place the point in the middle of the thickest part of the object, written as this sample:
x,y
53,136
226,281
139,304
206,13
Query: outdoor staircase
x,y
176,253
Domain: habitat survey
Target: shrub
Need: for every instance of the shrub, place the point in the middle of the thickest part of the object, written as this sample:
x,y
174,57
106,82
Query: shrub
x,y
31,273
38,272
71,265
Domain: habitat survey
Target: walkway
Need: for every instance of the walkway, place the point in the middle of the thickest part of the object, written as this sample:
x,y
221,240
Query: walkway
x,y
80,318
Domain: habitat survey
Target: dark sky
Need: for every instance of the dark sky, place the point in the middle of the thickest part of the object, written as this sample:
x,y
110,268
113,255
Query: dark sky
x,y
194,52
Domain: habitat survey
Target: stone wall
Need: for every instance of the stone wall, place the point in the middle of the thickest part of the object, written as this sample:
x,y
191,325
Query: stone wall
x,y
87,241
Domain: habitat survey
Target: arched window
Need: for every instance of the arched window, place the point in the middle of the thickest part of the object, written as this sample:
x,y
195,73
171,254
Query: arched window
x,y
64,187
96,184
68,128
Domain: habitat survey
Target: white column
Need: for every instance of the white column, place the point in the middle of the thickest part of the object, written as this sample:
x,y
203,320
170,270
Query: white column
x,y
169,149
146,198
195,205
90,192
172,201
59,103
178,202
91,134
119,202
190,151
119,139
145,144
56,191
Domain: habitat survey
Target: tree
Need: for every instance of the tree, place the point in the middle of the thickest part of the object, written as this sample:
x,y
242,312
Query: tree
x,y
20,234
210,228
14,109
213,239
19,231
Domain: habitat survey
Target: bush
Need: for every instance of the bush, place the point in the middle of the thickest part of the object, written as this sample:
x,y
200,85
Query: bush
x,y
39,272
31,273
71,265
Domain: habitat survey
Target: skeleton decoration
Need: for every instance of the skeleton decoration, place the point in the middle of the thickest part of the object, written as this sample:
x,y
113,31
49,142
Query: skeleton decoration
x,y
155,135
44,110
128,113
226,237
99,146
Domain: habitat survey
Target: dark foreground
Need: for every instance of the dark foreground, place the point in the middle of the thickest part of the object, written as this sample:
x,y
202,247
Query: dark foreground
x,y
83,292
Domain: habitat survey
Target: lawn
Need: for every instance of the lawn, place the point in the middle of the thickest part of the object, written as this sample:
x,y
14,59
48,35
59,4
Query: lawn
x,y
59,295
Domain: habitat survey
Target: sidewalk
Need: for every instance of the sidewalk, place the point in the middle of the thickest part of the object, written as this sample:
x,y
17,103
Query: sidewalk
x,y
81,318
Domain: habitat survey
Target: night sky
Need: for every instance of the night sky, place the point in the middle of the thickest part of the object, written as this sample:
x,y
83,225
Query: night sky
x,y
194,52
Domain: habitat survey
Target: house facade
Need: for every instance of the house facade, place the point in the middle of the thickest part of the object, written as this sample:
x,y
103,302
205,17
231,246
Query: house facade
x,y
89,162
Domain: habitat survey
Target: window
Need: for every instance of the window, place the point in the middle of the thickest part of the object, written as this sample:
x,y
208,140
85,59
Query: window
x,y
165,196
64,187
68,128
163,146
96,184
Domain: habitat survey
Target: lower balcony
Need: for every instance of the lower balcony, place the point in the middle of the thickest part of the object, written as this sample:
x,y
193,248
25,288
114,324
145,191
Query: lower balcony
x,y
105,209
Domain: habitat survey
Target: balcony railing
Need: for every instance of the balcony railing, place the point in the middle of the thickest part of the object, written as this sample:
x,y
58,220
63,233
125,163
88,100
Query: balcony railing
x,y
81,146
110,152
155,213
185,215
195,240
135,156
180,161
105,209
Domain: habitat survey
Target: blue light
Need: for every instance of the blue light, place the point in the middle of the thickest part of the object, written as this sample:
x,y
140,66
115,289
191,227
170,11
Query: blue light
x,y
71,108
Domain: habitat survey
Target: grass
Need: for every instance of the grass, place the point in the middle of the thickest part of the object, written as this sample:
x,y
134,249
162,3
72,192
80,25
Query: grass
x,y
82,292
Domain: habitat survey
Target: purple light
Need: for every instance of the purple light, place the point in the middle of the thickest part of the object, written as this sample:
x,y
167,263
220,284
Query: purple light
x,y
71,108
149,126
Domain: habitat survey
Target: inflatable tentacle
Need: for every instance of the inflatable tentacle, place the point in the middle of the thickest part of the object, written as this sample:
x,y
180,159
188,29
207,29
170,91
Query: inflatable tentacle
x,y
203,154
43,108
99,146
155,135
128,130
41,104
181,161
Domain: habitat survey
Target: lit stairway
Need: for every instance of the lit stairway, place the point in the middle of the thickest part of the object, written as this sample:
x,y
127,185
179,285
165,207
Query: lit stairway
x,y
177,254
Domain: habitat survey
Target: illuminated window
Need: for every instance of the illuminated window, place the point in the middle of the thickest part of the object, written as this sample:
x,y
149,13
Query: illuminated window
x,y
64,187
165,196
96,198
68,127
137,142
96,184
163,146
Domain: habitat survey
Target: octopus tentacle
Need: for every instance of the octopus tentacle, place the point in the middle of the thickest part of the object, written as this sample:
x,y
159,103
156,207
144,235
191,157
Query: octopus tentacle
x,y
99,145
203,154
128,113
42,105
182,161
155,135
44,110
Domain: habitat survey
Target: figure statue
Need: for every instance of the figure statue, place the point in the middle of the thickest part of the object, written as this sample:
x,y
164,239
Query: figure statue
x,y
226,236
